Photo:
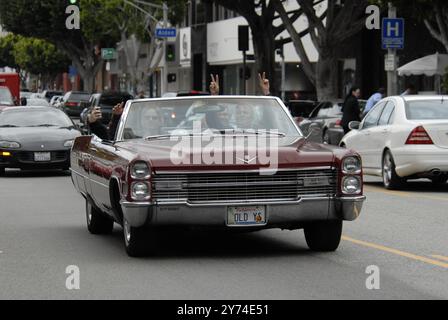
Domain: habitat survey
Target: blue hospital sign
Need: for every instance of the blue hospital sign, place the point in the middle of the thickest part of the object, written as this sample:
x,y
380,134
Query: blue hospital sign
x,y
393,33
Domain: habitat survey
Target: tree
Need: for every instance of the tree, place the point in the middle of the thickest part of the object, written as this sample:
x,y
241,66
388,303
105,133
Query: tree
x,y
433,13
46,19
261,17
7,58
135,28
39,57
328,29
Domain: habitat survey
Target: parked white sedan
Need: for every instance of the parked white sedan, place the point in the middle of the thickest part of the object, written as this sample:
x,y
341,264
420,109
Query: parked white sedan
x,y
403,138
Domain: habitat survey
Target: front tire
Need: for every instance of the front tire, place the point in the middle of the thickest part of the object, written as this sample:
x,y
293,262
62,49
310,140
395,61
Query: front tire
x,y
97,222
439,181
324,236
2,172
138,242
391,180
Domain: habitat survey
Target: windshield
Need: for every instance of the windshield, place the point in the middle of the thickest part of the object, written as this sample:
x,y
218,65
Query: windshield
x,y
6,97
34,118
79,97
427,110
190,116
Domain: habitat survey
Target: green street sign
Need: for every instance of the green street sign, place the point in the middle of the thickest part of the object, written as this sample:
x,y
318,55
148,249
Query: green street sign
x,y
108,53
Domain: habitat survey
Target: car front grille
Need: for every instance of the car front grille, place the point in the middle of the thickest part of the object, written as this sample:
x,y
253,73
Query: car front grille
x,y
244,186
56,156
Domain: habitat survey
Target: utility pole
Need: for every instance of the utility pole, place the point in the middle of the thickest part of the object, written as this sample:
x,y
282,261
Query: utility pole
x,y
392,77
165,68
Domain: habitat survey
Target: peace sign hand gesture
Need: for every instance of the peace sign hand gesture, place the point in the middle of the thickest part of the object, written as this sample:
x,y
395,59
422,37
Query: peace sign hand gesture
x,y
214,85
264,84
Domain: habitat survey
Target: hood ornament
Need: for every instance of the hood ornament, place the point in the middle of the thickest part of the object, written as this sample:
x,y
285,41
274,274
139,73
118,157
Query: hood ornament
x,y
247,159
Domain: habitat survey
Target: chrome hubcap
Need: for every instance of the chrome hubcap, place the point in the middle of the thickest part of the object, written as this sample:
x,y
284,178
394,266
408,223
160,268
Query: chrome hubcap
x,y
89,214
387,169
127,231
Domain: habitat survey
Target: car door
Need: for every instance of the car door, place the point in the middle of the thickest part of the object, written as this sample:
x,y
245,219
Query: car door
x,y
381,134
363,141
102,159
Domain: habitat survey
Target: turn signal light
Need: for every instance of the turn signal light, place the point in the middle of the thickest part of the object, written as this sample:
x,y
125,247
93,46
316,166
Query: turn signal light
x,y
6,154
419,136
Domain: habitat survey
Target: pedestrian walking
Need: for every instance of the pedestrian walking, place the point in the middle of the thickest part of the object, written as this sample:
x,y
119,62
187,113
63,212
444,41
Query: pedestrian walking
x,y
351,110
374,99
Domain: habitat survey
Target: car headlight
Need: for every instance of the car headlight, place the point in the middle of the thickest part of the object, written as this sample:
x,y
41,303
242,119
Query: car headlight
x,y
140,191
10,145
351,165
69,143
140,170
351,185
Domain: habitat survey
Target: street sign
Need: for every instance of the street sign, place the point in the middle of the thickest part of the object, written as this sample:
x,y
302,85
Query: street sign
x,y
108,53
166,33
393,33
390,62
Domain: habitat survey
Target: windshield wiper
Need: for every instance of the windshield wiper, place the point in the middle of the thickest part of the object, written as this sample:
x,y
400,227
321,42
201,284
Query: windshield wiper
x,y
9,126
167,136
251,132
43,125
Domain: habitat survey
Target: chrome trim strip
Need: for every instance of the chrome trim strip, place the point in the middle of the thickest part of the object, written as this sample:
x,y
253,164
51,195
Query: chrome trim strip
x,y
242,203
90,179
135,204
352,199
244,171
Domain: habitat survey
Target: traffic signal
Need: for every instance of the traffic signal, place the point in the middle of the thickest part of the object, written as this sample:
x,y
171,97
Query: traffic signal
x,y
243,38
170,52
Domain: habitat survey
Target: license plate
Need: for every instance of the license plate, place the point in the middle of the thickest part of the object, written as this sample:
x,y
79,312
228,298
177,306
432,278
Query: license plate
x,y
246,216
42,156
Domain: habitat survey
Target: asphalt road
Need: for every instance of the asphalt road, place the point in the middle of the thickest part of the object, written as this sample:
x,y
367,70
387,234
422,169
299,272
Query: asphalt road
x,y
42,231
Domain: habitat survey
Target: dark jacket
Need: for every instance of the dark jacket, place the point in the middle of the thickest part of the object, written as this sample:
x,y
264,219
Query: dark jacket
x,y
351,111
102,131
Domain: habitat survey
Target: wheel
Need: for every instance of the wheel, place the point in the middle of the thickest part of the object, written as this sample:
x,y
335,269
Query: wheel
x,y
138,242
390,178
2,172
324,236
97,222
326,138
439,181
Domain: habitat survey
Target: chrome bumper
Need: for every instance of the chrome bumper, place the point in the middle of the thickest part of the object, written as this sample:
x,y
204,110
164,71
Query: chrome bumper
x,y
215,214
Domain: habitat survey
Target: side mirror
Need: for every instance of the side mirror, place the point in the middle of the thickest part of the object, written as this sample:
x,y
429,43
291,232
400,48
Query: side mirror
x,y
313,129
354,125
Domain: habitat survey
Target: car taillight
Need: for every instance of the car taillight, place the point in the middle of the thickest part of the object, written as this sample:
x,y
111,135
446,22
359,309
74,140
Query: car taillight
x,y
419,136
338,123
71,104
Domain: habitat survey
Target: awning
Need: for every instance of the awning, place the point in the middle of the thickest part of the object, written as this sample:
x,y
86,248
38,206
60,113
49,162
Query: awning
x,y
431,65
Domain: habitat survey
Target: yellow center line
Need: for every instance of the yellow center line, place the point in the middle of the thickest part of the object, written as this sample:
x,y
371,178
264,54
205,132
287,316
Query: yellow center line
x,y
403,194
440,257
397,252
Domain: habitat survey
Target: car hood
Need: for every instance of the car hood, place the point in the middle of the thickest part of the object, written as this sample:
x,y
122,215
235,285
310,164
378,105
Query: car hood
x,y
34,138
280,153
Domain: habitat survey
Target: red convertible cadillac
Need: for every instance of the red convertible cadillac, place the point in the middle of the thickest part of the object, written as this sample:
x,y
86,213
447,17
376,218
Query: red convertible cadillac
x,y
233,163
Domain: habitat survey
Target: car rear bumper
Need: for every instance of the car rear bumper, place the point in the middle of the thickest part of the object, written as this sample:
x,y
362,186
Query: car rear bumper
x,y
420,160
25,160
279,215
